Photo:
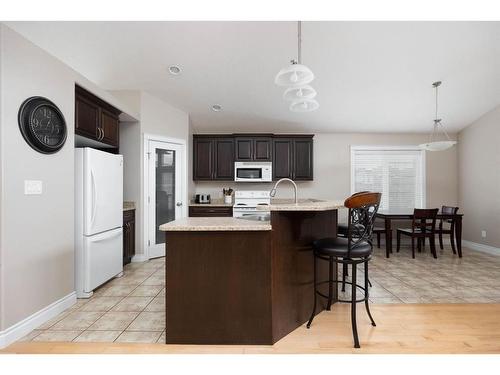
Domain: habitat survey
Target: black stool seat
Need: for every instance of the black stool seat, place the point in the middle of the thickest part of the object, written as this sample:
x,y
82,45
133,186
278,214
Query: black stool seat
x,y
339,247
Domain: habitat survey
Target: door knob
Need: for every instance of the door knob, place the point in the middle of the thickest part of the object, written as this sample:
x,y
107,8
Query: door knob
x,y
178,204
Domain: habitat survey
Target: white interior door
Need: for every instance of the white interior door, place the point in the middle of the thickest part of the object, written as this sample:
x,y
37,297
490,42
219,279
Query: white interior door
x,y
166,191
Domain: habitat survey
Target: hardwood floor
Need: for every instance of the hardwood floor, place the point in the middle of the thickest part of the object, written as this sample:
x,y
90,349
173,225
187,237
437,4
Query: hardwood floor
x,y
401,328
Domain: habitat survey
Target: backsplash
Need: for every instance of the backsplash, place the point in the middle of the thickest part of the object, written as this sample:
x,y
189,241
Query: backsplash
x,y
284,190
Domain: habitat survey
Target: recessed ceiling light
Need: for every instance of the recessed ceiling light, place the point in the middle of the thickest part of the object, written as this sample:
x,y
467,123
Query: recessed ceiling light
x,y
216,108
174,69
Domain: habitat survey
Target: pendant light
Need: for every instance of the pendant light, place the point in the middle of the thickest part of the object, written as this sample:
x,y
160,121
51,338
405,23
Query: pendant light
x,y
296,78
304,105
433,145
301,92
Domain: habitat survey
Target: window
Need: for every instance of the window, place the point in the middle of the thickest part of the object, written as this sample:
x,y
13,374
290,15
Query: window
x,y
397,172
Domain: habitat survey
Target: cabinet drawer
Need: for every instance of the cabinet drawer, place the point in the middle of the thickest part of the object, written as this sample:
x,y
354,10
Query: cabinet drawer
x,y
198,211
128,215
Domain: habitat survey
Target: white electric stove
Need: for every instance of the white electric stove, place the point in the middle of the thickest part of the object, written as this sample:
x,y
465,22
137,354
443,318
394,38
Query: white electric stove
x,y
246,202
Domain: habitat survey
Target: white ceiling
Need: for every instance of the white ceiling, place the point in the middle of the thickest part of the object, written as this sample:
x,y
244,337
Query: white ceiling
x,y
370,76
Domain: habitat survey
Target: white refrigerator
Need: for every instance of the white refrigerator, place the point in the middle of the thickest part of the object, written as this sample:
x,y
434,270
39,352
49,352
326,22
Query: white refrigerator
x,y
99,218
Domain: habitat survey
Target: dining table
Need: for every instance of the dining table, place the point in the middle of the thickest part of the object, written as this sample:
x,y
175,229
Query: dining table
x,y
389,216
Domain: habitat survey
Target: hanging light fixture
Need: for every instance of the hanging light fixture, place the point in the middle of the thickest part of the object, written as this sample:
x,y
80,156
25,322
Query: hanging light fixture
x,y
433,145
301,92
304,105
297,77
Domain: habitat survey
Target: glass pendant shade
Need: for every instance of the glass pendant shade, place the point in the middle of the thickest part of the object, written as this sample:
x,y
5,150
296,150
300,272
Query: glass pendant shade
x,y
294,75
437,146
304,105
301,92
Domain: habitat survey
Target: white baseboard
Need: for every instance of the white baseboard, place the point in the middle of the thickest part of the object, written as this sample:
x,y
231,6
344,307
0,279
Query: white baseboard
x,y
480,247
139,258
25,326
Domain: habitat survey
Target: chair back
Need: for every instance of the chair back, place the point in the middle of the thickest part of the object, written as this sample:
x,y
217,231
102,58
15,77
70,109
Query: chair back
x,y
448,210
362,210
424,219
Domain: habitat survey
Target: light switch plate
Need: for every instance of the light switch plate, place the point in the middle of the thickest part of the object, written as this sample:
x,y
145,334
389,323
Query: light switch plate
x,y
32,187
483,233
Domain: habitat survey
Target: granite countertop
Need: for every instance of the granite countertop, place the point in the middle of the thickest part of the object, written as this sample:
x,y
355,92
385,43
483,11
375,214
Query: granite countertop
x,y
303,205
214,224
127,206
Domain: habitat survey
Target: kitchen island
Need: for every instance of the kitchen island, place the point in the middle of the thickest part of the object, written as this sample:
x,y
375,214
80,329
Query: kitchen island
x,y
236,281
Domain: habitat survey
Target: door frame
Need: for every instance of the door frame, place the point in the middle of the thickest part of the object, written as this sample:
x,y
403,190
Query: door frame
x,y
145,185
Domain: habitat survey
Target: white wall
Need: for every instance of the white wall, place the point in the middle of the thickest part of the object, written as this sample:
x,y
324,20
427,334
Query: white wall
x,y
479,179
37,231
158,118
37,241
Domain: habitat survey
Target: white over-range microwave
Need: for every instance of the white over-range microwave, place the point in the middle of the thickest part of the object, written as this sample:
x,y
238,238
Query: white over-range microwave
x,y
252,171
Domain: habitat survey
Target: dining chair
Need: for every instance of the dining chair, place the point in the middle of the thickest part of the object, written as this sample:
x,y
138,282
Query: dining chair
x,y
447,210
423,226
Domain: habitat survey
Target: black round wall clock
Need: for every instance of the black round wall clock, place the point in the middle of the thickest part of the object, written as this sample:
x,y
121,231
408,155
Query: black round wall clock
x,y
42,125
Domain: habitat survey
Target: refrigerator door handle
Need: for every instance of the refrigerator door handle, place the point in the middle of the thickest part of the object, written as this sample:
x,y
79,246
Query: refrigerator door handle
x,y
118,233
94,200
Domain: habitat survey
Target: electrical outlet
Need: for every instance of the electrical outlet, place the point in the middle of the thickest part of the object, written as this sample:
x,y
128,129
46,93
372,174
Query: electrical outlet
x,y
32,187
483,233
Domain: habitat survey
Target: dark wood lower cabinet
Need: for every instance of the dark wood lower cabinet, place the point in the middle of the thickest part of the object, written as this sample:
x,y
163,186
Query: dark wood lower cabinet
x,y
207,211
128,236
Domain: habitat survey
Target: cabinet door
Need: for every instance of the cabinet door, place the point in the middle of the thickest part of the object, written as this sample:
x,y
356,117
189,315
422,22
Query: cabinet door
x,y
126,242
244,149
131,247
303,159
203,149
86,118
282,160
224,159
262,149
109,126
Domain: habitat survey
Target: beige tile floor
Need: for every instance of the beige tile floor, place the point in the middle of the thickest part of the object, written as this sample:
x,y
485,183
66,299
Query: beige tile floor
x,y
126,309
132,308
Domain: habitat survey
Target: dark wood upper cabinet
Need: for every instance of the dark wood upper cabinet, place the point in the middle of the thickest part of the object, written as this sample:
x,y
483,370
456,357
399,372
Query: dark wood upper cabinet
x,y
109,126
96,119
282,158
224,159
203,151
214,155
86,117
244,149
303,159
293,158
263,149
253,148
213,158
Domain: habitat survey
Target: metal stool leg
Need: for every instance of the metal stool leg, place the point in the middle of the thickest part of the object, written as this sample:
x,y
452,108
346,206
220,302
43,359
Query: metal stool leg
x,y
367,295
344,274
353,307
330,284
315,296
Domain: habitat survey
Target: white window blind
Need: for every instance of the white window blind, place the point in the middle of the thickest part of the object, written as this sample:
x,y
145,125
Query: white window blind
x,y
396,173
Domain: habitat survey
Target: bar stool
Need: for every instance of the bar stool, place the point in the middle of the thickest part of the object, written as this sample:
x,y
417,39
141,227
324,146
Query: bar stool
x,y
355,249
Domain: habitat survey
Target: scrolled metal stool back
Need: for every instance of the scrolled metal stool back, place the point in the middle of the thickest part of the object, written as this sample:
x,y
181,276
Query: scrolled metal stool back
x,y
362,210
